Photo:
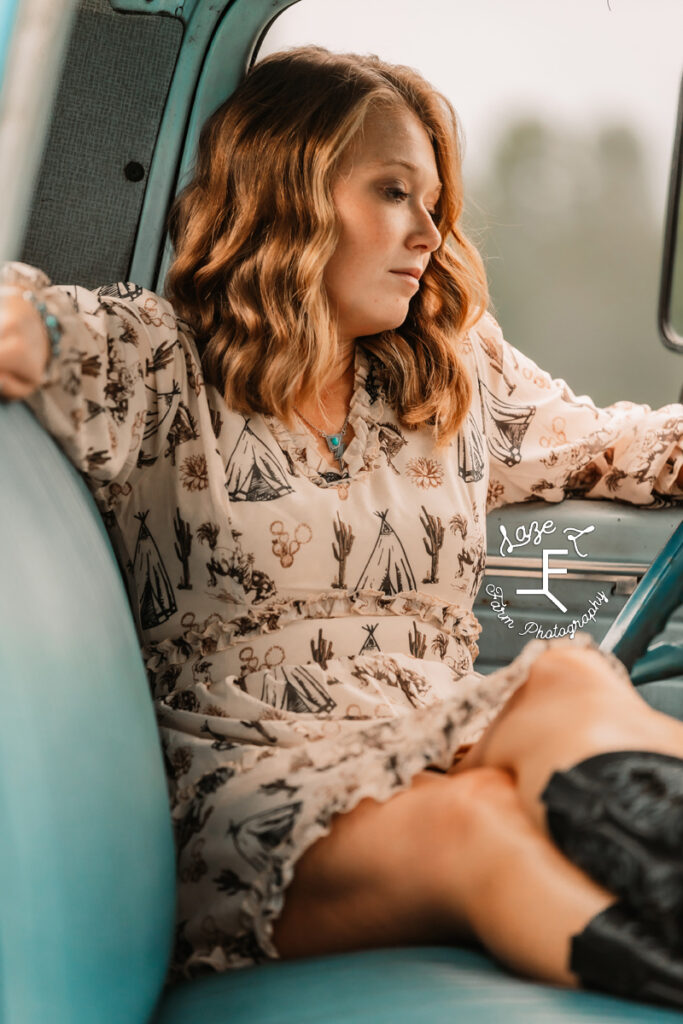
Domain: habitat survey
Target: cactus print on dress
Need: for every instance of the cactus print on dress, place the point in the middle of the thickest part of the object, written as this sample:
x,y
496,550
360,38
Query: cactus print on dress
x,y
308,632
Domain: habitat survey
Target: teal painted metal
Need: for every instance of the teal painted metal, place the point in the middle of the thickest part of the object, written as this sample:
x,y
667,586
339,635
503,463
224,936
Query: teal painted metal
x,y
661,662
647,611
202,80
619,550
232,47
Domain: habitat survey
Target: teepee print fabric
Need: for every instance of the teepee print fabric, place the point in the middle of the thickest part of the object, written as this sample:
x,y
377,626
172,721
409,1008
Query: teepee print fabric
x,y
388,568
156,601
253,473
308,633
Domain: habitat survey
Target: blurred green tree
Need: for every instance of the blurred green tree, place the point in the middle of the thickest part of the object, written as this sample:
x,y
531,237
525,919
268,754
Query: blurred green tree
x,y
573,251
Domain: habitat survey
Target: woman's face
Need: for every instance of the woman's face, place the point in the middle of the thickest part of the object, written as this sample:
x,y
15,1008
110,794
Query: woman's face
x,y
385,209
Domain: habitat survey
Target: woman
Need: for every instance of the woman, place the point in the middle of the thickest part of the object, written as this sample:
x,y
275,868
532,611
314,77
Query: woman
x,y
292,453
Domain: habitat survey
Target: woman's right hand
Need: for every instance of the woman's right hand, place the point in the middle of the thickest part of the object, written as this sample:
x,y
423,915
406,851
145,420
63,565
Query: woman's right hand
x,y
24,345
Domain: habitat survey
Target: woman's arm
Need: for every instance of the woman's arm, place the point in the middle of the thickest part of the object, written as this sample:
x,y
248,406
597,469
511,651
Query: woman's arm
x,y
548,443
111,392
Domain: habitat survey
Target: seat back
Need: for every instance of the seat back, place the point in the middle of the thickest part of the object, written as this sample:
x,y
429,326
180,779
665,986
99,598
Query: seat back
x,y
86,850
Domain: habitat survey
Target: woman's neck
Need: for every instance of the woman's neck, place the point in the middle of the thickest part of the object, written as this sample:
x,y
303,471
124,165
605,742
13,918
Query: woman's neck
x,y
330,416
335,398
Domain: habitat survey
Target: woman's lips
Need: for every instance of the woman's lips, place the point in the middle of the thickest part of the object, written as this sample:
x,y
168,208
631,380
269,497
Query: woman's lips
x,y
406,277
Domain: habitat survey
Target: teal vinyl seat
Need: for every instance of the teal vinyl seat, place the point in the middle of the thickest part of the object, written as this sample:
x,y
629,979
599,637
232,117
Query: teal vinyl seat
x,y
86,849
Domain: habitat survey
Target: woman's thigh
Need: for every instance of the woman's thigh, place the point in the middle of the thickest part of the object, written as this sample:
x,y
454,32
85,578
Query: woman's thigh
x,y
450,859
397,872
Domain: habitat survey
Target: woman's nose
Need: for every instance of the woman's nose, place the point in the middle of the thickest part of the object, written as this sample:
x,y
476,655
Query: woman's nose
x,y
427,232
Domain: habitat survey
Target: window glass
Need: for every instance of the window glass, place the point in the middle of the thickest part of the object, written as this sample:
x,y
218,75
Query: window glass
x,y
568,111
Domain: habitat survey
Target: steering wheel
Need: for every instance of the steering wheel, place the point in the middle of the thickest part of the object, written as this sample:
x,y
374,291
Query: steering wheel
x,y
646,613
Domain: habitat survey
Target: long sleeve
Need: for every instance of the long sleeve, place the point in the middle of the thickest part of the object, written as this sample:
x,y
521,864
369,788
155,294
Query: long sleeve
x,y
112,394
547,443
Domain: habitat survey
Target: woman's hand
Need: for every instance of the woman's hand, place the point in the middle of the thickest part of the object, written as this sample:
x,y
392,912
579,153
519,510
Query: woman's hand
x,y
24,345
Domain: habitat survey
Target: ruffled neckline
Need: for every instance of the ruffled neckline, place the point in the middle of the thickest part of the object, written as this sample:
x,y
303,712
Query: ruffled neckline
x,y
365,413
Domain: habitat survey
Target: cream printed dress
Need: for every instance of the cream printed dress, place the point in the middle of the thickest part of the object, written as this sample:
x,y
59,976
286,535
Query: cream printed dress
x,y
308,634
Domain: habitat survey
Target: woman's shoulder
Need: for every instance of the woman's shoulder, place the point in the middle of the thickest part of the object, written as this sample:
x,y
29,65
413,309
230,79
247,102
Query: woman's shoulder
x,y
151,307
485,331
488,350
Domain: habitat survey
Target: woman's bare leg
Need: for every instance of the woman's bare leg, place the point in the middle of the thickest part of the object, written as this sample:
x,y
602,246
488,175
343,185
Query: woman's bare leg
x,y
574,705
467,855
449,859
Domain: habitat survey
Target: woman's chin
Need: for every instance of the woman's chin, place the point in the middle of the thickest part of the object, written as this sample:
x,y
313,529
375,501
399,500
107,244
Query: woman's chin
x,y
388,323
392,322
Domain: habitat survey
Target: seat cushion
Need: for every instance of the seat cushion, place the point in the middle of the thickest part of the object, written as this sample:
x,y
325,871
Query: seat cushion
x,y
414,985
86,849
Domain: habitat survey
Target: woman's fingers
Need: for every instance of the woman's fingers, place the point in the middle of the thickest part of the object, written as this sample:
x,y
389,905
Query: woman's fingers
x,y
21,367
24,346
14,389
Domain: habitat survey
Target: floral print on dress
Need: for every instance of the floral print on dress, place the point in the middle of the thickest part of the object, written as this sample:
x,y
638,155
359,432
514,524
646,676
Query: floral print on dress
x,y
425,473
307,630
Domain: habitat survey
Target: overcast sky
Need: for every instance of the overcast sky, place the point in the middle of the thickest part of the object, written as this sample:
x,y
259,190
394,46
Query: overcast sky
x,y
575,61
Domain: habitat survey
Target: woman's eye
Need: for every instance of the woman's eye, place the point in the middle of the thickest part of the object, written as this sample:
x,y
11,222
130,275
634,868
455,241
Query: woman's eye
x,y
397,194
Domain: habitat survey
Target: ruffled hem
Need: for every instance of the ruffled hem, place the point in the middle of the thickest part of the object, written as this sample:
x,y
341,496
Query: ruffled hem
x,y
217,633
260,909
364,450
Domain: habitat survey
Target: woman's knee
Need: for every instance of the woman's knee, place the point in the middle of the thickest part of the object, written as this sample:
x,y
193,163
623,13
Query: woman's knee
x,y
573,667
486,799
492,830
566,692
563,684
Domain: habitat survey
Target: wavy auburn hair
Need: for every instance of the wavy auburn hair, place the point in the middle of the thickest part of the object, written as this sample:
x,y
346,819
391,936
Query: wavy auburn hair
x,y
255,227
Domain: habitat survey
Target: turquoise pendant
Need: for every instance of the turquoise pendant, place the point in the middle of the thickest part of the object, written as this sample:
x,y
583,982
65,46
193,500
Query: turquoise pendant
x,y
335,444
